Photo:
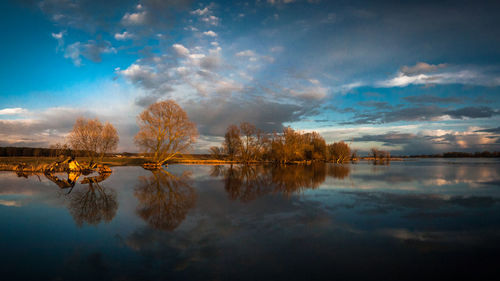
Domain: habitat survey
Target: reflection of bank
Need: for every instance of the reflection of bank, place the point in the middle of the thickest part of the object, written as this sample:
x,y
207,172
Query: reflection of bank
x,y
164,199
90,203
68,182
247,182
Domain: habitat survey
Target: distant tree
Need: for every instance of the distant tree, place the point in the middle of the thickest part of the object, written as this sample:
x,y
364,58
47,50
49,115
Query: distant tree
x,y
232,142
165,131
11,151
252,142
354,155
217,152
340,152
93,138
37,152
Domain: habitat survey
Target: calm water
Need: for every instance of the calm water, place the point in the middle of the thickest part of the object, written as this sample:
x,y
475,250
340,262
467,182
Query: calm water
x,y
433,219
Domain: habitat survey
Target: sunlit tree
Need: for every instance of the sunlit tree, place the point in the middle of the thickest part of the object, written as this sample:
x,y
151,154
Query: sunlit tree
x,y
165,131
340,152
93,138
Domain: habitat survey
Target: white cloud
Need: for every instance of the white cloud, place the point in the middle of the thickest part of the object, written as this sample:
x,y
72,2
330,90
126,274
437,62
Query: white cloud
x,y
201,12
73,52
212,20
460,77
206,15
423,73
13,111
180,50
246,53
123,36
134,18
210,33
58,35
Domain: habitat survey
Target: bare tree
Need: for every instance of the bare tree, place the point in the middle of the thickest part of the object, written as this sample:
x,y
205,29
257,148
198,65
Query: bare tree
x,y
110,139
232,142
217,152
93,138
165,131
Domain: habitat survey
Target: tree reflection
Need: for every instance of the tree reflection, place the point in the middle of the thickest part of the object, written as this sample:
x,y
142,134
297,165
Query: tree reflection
x,y
338,171
164,199
68,182
94,203
246,182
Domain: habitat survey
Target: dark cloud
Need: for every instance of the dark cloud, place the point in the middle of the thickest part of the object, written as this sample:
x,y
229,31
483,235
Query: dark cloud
x,y
421,113
491,130
432,99
388,138
93,15
375,104
214,116
408,143
472,112
420,67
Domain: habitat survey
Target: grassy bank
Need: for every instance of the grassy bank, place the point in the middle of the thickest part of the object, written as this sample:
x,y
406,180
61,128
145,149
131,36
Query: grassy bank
x,y
9,163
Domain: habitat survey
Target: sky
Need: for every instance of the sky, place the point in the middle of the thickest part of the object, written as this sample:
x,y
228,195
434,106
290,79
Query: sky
x,y
410,77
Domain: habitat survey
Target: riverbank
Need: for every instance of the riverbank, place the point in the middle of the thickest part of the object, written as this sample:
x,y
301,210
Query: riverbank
x,y
37,163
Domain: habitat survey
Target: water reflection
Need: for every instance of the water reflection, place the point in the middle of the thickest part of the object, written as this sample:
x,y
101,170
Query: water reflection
x,y
94,203
68,182
164,199
403,220
247,182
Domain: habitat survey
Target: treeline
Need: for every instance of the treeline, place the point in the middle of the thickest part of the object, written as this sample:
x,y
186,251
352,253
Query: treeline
x,y
52,151
29,152
455,154
246,143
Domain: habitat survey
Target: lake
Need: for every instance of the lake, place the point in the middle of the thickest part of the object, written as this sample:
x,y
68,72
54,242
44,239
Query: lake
x,y
422,219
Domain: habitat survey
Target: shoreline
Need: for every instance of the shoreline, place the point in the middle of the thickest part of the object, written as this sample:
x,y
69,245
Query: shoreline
x,y
36,164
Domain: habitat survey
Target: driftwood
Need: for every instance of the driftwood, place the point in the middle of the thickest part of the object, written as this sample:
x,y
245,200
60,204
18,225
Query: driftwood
x,y
152,166
68,164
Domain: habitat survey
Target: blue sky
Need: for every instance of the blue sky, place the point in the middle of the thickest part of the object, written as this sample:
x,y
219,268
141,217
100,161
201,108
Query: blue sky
x,y
412,77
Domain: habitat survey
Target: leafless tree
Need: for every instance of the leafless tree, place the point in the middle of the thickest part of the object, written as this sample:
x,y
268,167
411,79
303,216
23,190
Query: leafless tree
x,y
93,138
217,152
165,131
109,140
232,142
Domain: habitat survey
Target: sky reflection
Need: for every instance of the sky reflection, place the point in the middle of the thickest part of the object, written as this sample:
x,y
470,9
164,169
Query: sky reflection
x,y
247,223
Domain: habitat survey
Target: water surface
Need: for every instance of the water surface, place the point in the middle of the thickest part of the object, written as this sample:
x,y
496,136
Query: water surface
x,y
437,219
